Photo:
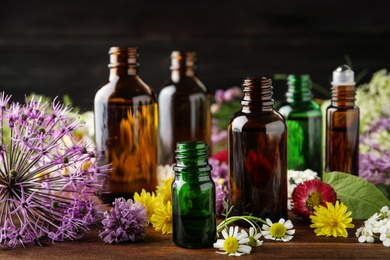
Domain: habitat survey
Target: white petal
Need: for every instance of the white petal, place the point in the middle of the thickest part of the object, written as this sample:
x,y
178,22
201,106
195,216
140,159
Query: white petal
x,y
230,232
290,232
222,253
244,232
224,233
288,224
244,240
219,244
244,248
236,254
251,231
287,238
269,222
281,221
265,232
235,231
259,242
362,239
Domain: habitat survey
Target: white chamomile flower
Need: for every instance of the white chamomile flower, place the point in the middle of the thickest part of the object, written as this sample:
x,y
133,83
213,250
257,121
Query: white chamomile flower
x,y
233,243
253,237
279,231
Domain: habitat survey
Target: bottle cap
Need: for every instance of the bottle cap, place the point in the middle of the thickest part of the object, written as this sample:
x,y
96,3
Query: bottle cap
x,y
344,76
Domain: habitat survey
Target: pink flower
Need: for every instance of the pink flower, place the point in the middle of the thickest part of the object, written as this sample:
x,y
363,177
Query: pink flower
x,y
309,194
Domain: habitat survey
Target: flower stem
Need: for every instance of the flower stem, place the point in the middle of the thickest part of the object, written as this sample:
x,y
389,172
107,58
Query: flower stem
x,y
250,219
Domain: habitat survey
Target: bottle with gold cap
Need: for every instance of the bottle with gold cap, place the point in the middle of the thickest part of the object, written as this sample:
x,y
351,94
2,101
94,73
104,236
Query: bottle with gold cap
x,y
342,124
126,125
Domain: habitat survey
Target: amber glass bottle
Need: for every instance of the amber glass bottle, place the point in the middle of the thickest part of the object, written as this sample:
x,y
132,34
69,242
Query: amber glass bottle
x,y
257,138
193,197
184,107
342,124
126,125
304,123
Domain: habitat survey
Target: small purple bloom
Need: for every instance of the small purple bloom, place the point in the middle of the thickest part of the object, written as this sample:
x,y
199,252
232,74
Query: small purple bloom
x,y
220,176
125,221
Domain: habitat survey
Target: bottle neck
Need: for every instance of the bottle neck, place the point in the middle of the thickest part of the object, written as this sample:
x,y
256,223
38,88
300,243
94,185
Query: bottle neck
x,y
257,94
123,61
343,96
192,158
183,64
299,89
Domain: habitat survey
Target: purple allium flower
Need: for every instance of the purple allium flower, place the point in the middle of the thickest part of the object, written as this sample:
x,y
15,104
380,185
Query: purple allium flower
x,y
48,179
125,221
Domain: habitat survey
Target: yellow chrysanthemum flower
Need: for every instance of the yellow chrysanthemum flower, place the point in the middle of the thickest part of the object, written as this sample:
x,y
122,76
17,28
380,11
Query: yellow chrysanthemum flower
x,y
148,200
162,217
164,192
332,220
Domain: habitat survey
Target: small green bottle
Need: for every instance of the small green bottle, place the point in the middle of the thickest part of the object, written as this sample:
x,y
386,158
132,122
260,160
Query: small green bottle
x,y
304,123
193,197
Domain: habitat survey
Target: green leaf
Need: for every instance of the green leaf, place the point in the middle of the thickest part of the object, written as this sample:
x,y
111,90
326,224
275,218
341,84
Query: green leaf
x,y
360,196
384,189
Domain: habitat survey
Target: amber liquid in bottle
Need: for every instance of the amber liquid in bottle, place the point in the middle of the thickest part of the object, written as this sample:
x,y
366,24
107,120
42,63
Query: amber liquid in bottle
x,y
126,123
342,133
258,154
184,107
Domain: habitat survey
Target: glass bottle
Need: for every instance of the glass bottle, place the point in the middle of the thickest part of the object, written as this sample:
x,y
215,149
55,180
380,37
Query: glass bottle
x,y
126,125
257,147
184,107
342,124
304,123
193,197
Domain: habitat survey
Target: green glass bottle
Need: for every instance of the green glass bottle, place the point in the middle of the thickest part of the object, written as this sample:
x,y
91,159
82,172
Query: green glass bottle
x,y
304,123
257,147
193,197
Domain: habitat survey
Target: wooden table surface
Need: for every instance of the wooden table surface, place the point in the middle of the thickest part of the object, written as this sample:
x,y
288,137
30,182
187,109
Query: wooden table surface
x,y
305,244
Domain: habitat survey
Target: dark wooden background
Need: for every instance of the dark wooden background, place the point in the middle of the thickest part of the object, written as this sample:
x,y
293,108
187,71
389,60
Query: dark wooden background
x,y
57,47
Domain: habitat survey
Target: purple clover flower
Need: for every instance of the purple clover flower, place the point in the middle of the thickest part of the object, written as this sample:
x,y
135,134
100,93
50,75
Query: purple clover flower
x,y
48,180
125,221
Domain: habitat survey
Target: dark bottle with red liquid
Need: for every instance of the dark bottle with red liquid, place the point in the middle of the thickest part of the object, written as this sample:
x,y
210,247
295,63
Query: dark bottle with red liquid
x,y
342,124
257,144
126,125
